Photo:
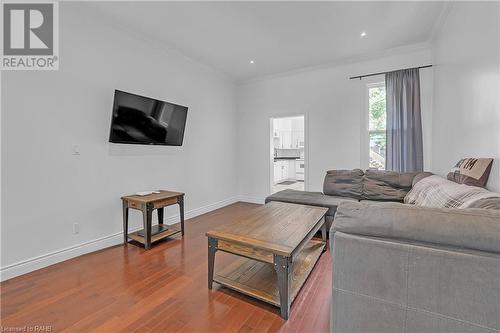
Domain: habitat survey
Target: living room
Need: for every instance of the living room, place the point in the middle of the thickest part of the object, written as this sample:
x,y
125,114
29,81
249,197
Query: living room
x,y
73,198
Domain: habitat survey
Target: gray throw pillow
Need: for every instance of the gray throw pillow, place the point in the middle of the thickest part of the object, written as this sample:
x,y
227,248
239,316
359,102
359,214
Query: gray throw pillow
x,y
420,176
344,183
381,185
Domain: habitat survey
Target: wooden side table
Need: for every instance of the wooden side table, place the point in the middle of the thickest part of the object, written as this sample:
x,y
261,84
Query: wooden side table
x,y
147,204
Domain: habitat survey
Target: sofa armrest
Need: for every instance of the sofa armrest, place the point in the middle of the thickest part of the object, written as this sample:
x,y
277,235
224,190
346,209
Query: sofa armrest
x,y
475,229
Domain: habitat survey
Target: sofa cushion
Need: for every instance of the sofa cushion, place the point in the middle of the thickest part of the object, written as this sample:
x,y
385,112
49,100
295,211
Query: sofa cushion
x,y
344,183
435,191
486,203
471,171
383,185
476,229
309,198
420,176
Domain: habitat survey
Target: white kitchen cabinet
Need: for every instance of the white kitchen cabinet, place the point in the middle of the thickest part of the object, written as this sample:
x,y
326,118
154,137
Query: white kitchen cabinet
x,y
286,139
291,170
276,142
301,140
297,139
283,170
299,169
277,172
290,132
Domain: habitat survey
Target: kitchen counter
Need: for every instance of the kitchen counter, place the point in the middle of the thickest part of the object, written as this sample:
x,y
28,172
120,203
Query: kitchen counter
x,y
285,158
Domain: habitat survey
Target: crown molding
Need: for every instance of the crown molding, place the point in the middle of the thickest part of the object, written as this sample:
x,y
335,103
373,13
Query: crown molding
x,y
424,46
93,12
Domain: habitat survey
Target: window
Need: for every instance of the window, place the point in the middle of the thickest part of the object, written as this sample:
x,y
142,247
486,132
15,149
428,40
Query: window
x,y
377,126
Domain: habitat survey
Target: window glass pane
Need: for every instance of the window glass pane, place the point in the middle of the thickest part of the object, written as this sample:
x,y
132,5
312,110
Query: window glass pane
x,y
377,126
377,108
377,149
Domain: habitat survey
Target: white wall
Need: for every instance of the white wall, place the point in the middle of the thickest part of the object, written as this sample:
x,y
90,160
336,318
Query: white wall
x,y
467,88
46,189
334,107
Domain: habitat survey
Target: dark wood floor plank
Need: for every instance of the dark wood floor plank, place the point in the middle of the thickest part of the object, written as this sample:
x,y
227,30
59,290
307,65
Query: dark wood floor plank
x,y
128,289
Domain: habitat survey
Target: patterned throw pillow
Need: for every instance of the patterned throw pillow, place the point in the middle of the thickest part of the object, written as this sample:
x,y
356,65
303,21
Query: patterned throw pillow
x,y
471,171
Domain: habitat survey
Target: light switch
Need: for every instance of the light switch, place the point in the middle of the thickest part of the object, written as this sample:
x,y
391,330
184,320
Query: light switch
x,y
76,150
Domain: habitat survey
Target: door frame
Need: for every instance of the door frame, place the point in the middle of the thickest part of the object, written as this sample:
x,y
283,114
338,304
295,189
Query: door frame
x,y
270,170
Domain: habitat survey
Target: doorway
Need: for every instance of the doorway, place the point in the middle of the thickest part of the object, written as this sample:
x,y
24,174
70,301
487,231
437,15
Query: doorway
x,y
287,153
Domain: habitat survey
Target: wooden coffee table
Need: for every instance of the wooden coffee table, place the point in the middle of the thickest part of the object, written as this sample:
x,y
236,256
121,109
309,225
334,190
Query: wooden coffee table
x,y
276,249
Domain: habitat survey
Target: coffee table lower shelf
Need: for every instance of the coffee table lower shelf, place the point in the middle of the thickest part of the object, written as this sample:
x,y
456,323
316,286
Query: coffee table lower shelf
x,y
259,279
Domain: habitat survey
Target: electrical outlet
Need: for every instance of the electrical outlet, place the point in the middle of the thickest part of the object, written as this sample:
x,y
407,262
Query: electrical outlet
x,y
76,228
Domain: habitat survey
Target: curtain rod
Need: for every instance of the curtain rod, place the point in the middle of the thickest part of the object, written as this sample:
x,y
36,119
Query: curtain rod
x,y
373,74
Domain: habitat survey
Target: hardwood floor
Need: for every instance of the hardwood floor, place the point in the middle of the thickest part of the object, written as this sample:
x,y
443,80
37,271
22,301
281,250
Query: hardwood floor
x,y
128,289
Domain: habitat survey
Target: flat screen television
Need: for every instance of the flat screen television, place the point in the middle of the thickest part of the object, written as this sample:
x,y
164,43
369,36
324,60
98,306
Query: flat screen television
x,y
143,120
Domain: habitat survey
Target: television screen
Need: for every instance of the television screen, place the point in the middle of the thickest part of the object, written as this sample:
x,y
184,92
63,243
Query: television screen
x,y
142,120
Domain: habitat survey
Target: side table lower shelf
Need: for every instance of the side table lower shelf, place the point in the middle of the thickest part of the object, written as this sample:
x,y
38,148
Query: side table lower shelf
x,y
172,230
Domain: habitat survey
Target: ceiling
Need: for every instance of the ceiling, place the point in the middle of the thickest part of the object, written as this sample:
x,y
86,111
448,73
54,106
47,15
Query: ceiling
x,y
277,36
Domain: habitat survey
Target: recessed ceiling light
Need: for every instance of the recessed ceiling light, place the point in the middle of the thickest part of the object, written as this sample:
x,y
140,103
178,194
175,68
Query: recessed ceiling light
x,y
252,62
363,34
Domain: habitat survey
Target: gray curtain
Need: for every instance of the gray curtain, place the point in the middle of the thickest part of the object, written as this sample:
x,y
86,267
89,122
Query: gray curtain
x,y
404,121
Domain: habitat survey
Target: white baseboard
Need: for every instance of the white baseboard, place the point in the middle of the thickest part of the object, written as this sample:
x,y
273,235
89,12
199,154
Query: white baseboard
x,y
250,199
200,210
32,264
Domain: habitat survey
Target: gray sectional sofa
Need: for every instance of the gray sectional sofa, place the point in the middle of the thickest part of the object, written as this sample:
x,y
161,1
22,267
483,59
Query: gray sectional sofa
x,y
353,185
406,268
401,268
